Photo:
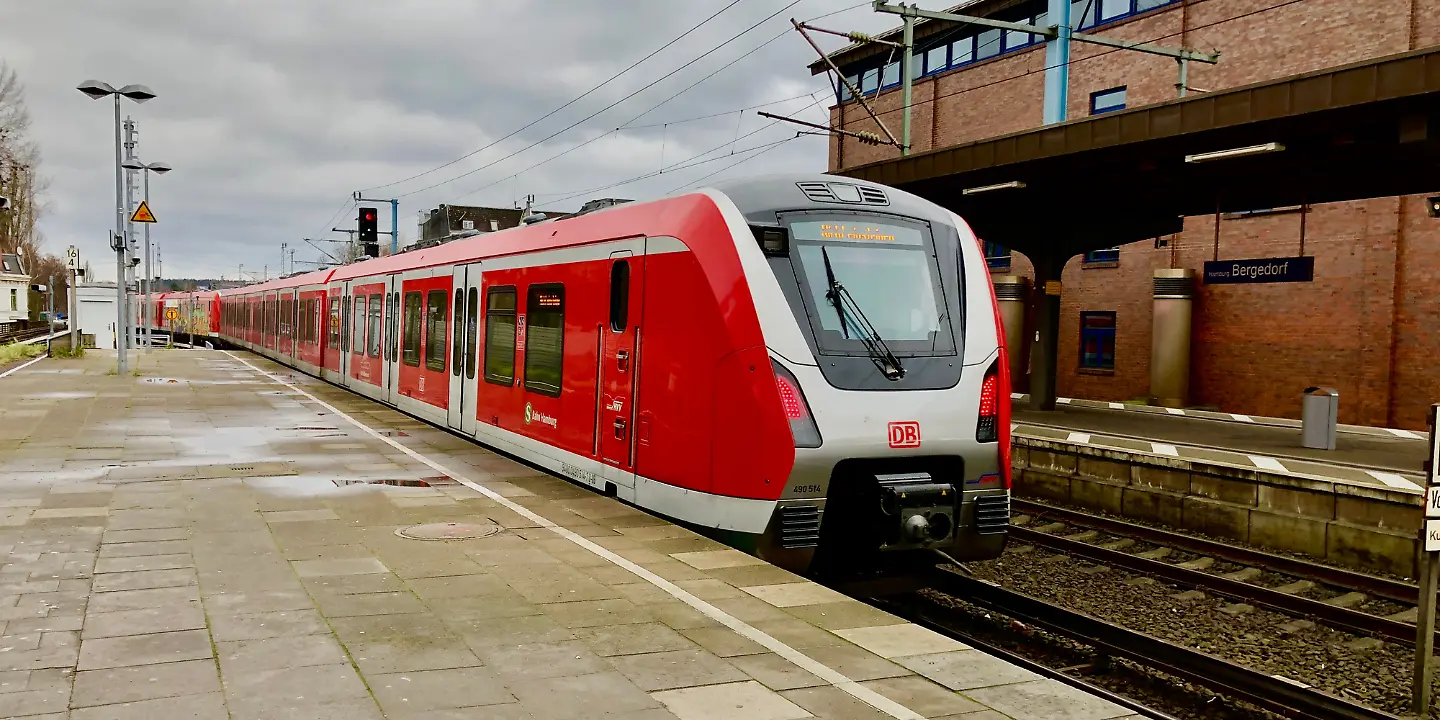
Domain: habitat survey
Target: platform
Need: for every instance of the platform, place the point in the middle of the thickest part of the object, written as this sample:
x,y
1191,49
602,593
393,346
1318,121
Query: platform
x,y
222,537
1383,457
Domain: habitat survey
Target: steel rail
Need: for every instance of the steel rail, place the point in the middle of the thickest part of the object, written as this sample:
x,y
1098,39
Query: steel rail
x,y
1387,588
1280,695
1335,616
912,611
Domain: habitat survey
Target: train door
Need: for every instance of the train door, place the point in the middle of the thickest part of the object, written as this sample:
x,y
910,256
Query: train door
x,y
346,322
618,367
463,338
392,337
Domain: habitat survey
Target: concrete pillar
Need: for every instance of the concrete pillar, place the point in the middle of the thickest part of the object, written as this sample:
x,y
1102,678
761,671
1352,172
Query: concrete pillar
x,y
1012,293
1170,341
1045,299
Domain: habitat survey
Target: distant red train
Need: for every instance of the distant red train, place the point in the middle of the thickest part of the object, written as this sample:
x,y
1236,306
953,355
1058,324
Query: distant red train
x,y
811,365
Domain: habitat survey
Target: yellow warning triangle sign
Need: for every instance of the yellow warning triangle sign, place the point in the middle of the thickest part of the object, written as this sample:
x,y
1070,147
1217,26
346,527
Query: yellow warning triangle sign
x,y
143,214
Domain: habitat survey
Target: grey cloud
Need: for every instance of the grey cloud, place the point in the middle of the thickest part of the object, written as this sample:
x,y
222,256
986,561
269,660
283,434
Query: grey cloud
x,y
273,111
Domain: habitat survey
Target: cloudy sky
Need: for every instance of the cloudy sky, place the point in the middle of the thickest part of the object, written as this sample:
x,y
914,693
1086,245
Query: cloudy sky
x,y
273,112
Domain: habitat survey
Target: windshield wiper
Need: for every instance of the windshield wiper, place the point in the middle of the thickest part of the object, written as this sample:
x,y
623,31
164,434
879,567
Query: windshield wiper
x,y
845,305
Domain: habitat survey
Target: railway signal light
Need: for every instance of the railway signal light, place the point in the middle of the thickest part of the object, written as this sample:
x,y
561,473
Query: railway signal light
x,y
369,240
1432,204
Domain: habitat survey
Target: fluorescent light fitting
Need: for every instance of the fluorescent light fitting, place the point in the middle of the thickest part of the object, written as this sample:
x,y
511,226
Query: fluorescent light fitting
x,y
1235,153
1013,184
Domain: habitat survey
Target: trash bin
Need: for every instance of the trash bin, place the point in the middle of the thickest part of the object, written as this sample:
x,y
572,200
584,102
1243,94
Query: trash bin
x,y
1318,417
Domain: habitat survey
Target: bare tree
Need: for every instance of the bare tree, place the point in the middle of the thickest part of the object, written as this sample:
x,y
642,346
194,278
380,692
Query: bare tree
x,y
20,181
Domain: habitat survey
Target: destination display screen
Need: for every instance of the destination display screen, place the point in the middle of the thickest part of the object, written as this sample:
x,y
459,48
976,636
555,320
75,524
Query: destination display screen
x,y
865,232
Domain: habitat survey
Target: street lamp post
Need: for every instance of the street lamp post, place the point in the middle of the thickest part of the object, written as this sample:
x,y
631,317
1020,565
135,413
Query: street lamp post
x,y
159,168
139,93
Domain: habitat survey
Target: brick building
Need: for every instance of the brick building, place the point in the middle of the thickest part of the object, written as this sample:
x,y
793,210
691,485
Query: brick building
x,y
1369,322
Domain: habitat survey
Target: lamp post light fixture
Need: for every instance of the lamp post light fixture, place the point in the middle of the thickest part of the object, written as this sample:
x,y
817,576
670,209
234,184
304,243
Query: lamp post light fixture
x,y
158,168
139,93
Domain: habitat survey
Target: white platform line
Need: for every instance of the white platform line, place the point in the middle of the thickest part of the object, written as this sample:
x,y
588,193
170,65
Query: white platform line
x,y
1408,435
1267,463
1164,449
14,370
801,660
1078,437
1174,411
1242,418
1393,480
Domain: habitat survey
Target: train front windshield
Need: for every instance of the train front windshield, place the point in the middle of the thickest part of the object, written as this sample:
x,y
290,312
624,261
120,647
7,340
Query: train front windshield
x,y
858,271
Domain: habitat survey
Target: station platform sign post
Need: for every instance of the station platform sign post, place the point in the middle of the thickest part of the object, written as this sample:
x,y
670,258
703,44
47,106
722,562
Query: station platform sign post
x,y
1429,557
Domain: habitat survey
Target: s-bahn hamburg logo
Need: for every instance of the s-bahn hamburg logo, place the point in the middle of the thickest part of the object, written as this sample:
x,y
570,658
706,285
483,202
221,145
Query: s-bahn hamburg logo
x,y
905,434
540,417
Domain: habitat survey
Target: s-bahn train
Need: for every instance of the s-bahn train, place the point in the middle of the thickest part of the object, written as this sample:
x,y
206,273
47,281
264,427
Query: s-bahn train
x,y
809,366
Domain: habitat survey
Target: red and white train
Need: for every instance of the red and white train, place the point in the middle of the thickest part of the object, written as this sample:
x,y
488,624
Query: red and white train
x,y
810,365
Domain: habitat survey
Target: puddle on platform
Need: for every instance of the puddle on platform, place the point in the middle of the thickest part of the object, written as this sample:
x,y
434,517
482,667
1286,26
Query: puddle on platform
x,y
393,482
164,381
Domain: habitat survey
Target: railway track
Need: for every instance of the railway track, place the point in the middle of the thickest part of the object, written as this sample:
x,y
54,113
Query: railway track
x,y
1279,695
23,335
1340,610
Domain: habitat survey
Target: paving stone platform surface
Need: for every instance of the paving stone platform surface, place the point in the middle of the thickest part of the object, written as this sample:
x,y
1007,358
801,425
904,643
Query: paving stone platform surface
x,y
207,539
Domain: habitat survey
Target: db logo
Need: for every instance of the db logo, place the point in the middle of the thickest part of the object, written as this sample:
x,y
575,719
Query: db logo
x,y
905,434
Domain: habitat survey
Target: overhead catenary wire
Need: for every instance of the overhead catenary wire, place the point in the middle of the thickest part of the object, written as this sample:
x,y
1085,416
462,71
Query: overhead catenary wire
x,y
1102,53
593,115
578,98
684,164
703,178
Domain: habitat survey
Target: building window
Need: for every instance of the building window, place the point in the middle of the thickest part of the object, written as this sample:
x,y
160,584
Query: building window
x,y
411,353
962,51
1113,9
987,43
1104,255
870,81
15,300
937,59
500,336
1107,100
1097,340
997,257
435,334
890,76
544,338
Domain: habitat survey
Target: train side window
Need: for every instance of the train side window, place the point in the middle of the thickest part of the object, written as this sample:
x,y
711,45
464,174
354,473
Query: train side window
x,y
345,326
373,347
619,294
470,328
411,356
457,341
544,338
395,326
435,334
334,328
389,327
500,336
359,347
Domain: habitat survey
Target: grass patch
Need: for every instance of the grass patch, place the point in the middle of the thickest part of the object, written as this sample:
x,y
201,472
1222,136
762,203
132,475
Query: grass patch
x,y
70,352
12,352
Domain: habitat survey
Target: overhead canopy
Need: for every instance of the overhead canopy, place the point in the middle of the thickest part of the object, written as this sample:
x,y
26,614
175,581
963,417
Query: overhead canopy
x,y
1370,129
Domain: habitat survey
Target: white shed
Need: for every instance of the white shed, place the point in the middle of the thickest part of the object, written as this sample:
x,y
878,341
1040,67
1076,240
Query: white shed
x,y
95,315
14,290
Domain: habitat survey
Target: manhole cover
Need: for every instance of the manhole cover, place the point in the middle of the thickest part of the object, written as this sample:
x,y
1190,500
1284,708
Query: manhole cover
x,y
448,531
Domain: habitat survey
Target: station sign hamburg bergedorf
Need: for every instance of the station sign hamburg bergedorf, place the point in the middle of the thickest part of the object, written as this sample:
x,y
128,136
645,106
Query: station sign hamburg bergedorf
x,y
1260,270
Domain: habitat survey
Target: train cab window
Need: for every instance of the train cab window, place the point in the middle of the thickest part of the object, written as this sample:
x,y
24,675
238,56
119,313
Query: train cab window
x,y
619,294
457,342
470,328
334,327
373,346
544,338
359,325
435,331
500,336
345,325
411,355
